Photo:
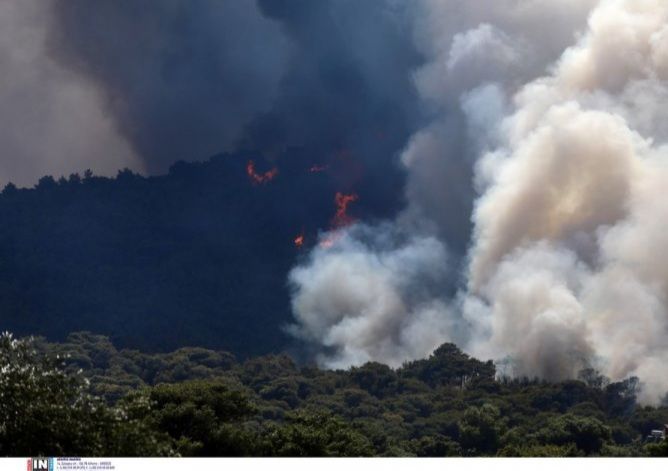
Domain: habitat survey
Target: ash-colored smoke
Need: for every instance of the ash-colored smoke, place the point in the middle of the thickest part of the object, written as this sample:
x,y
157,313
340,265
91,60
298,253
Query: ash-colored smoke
x,y
370,296
51,120
479,53
552,112
567,243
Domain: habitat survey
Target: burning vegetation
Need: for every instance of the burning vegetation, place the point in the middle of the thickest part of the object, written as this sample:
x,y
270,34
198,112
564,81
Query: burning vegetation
x,y
341,218
260,178
299,240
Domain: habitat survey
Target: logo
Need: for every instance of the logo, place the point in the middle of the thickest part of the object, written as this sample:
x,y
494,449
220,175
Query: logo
x,y
40,464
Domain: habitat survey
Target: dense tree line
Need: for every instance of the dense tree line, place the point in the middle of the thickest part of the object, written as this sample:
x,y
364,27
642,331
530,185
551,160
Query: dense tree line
x,y
198,256
85,397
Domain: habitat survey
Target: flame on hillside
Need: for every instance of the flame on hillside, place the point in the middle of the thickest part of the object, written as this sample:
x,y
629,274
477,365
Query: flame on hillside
x,y
342,201
299,240
341,219
260,178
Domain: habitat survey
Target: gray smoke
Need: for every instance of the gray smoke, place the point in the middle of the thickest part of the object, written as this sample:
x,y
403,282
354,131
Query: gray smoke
x,y
156,82
51,120
368,295
180,78
478,53
139,84
554,113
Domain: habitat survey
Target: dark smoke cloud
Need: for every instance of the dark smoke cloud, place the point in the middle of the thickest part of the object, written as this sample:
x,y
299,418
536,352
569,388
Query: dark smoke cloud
x,y
349,82
187,79
348,96
181,78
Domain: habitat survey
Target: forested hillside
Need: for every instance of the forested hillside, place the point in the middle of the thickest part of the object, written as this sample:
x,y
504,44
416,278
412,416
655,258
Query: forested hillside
x,y
196,257
86,397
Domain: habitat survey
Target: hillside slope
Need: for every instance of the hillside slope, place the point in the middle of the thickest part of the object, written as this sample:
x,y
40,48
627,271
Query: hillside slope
x,y
195,257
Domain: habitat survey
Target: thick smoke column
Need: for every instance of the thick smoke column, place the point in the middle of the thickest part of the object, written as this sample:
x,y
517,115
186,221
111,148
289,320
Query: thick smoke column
x,y
553,111
567,242
479,53
474,63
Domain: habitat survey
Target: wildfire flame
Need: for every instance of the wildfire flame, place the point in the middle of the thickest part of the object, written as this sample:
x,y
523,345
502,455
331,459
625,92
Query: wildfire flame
x,y
341,219
342,201
299,240
260,178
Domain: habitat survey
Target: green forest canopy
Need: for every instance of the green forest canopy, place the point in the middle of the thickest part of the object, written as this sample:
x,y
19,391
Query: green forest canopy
x,y
85,397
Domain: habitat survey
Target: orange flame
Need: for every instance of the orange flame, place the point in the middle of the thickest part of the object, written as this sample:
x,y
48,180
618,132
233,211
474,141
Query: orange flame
x,y
342,201
318,168
260,178
341,219
299,240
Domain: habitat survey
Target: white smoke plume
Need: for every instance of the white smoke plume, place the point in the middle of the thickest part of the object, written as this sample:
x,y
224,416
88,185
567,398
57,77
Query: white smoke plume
x,y
566,248
554,113
369,297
